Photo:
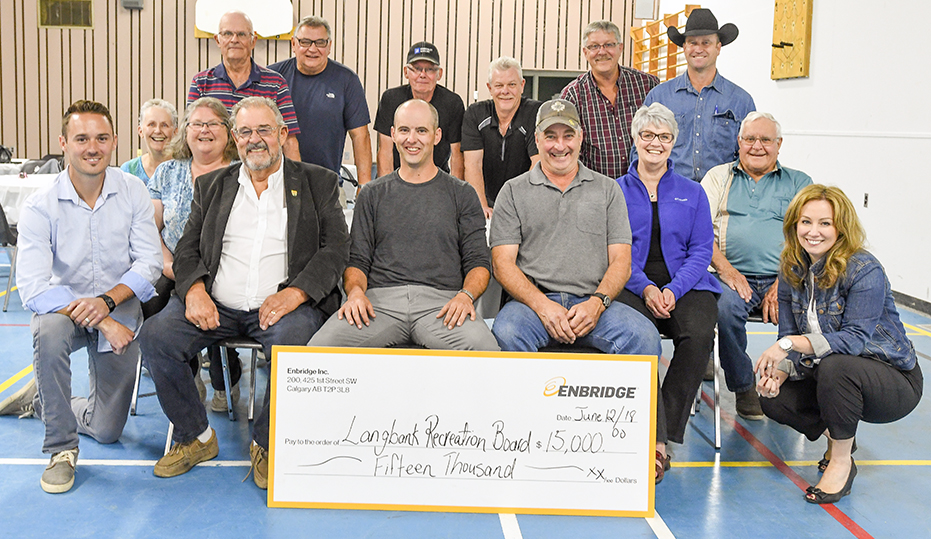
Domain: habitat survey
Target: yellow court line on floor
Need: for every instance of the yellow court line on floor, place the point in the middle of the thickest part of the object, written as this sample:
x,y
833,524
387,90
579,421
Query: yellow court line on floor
x,y
767,464
918,329
15,378
3,293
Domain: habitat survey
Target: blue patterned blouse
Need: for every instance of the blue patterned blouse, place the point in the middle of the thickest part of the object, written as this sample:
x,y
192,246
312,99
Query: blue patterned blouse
x,y
173,185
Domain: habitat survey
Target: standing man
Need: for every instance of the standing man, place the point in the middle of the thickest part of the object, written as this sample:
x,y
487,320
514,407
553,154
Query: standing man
x,y
560,243
419,259
708,107
270,273
422,71
329,101
89,254
748,199
503,125
238,76
607,98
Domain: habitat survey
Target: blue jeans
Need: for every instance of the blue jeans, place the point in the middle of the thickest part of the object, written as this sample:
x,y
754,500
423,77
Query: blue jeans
x,y
620,330
732,331
169,340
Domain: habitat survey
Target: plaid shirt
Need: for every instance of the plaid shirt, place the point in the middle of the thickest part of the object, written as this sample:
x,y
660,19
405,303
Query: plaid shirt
x,y
263,82
606,143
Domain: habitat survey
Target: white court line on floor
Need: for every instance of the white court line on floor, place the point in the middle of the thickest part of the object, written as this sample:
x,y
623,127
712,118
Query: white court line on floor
x,y
116,462
509,526
659,527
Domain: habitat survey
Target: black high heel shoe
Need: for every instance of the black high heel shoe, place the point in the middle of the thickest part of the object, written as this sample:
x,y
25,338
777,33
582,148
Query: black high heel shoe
x,y
823,463
816,495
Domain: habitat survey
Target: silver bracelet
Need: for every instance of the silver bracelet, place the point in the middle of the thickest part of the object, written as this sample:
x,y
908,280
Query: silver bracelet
x,y
466,292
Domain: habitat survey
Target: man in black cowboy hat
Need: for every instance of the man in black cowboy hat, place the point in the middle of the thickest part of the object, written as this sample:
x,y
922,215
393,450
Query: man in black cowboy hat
x,y
708,107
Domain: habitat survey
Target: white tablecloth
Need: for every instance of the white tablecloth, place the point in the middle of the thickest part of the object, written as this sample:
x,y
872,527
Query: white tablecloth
x,y
15,190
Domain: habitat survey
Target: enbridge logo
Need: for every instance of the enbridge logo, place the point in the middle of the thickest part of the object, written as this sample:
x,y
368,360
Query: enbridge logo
x,y
558,386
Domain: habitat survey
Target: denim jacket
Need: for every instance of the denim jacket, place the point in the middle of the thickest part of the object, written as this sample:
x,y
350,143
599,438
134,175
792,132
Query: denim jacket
x,y
857,315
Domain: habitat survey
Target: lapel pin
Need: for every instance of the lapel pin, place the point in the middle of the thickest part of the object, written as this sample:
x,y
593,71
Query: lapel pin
x,y
293,192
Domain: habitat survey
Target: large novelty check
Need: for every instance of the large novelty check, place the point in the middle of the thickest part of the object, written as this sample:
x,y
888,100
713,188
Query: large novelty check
x,y
568,434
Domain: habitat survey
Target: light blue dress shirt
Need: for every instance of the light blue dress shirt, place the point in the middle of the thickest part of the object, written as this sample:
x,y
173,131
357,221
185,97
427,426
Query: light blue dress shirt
x,y
68,250
708,122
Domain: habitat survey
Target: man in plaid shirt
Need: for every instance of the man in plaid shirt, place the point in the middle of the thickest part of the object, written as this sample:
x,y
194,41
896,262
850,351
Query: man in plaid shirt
x,y
607,98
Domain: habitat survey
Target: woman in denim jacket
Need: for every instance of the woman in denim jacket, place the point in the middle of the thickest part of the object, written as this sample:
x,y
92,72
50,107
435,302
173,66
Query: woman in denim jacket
x,y
842,356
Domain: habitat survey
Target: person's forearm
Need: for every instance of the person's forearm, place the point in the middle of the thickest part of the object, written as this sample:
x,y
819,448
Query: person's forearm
x,y
362,153
476,281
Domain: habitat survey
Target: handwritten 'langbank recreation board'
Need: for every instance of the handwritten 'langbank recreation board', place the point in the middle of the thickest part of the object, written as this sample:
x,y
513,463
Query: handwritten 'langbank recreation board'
x,y
568,434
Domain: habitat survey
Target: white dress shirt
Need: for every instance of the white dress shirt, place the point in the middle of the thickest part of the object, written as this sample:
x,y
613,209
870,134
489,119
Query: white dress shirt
x,y
254,257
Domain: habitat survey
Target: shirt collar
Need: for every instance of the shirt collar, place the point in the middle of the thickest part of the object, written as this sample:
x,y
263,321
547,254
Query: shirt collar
x,y
275,181
537,177
682,82
255,74
66,190
775,171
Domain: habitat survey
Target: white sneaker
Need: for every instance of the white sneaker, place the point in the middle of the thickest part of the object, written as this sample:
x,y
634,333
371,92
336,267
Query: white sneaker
x,y
218,403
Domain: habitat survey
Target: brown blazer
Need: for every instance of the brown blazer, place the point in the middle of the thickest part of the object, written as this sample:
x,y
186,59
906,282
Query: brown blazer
x,y
318,239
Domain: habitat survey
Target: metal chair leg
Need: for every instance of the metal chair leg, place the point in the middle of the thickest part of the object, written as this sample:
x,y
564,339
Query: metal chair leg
x,y
132,406
255,354
224,359
171,432
9,282
717,392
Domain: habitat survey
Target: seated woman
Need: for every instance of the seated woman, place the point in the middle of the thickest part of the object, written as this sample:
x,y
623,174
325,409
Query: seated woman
x,y
670,221
158,122
842,356
203,144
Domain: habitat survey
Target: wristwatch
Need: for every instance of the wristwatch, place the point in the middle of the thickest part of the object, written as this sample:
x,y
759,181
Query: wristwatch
x,y
786,344
109,301
605,300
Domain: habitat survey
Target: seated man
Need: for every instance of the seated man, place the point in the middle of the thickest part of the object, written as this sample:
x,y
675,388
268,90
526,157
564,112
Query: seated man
x,y
419,258
270,274
88,254
748,199
560,243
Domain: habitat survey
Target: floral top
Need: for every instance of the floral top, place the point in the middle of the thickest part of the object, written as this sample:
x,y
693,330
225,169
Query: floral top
x,y
173,185
134,167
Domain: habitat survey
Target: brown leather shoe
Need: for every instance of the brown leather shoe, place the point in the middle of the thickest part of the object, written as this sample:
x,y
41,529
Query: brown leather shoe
x,y
259,465
184,456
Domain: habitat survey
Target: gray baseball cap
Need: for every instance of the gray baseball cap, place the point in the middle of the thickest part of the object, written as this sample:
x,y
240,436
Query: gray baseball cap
x,y
558,111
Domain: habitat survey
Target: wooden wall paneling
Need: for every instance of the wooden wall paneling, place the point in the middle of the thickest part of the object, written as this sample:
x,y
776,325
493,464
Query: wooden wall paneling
x,y
396,45
527,38
34,72
9,93
484,47
126,83
418,30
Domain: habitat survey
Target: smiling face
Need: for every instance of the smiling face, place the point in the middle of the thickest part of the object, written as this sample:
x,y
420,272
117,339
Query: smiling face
x,y
311,60
701,52
758,157
815,229
423,76
604,59
415,133
156,129
235,37
206,134
654,151
506,88
559,147
256,151
88,145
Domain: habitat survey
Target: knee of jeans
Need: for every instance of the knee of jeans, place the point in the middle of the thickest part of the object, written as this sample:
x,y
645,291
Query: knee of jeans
x,y
109,435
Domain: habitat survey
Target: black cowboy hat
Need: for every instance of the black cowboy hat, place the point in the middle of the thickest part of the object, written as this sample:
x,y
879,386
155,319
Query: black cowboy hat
x,y
702,22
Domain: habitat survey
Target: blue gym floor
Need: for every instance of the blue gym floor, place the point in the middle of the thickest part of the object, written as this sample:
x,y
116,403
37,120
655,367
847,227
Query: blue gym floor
x,y
752,488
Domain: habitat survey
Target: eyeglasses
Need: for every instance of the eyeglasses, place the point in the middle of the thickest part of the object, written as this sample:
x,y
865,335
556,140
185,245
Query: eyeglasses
x,y
226,34
648,136
595,47
306,43
765,141
430,70
209,125
263,131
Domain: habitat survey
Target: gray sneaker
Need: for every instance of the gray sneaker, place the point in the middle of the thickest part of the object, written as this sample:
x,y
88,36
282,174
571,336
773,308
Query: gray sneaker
x,y
218,402
20,403
58,477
